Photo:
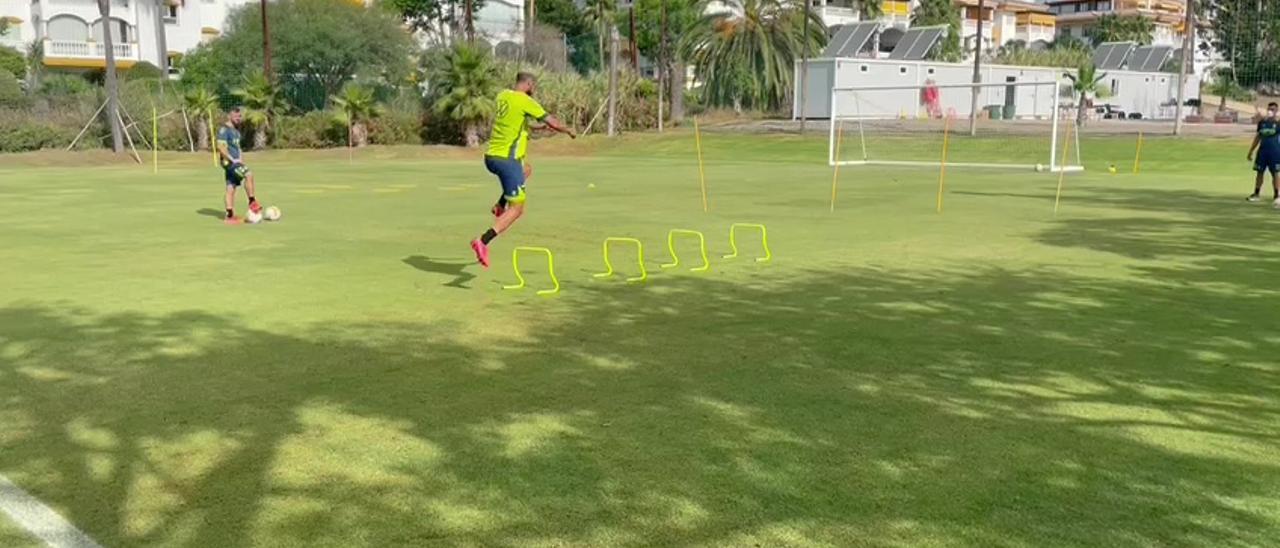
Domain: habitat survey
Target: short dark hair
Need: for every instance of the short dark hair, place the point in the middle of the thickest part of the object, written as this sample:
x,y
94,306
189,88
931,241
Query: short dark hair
x,y
1272,104
234,110
522,77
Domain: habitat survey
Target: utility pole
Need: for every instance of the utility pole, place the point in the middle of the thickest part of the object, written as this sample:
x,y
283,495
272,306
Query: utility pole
x,y
471,29
804,71
635,54
1188,31
662,60
161,43
977,70
528,26
613,80
266,43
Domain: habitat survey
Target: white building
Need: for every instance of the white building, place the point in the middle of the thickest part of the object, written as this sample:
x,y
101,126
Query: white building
x,y
71,30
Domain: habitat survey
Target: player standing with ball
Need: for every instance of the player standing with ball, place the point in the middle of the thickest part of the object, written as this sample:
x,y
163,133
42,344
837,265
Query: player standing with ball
x,y
505,156
236,172
1267,144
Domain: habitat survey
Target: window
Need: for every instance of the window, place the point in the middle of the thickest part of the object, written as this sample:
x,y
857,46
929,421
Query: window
x,y
67,28
902,70
171,14
863,68
119,31
930,70
1115,87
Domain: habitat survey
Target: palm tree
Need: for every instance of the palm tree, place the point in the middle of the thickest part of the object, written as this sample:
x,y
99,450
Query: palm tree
x,y
109,69
201,102
1224,85
941,12
1084,83
261,104
762,38
600,13
1123,28
356,106
464,81
868,10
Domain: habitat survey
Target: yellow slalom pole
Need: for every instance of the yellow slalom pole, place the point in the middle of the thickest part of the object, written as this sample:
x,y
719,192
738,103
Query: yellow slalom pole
x,y
835,174
1062,167
942,173
213,139
1137,156
702,175
155,141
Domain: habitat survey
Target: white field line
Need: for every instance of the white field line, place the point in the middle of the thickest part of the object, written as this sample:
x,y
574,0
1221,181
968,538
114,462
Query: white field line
x,y
40,520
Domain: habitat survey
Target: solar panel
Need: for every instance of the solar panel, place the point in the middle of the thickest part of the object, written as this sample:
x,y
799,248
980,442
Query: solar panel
x,y
1139,57
862,33
927,39
916,43
850,40
836,45
1150,58
1112,55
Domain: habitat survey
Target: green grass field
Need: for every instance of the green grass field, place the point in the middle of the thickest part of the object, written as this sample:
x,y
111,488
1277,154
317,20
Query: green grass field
x,y
990,376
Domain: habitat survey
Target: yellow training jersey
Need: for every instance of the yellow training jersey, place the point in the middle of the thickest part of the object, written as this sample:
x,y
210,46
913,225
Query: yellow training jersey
x,y
510,136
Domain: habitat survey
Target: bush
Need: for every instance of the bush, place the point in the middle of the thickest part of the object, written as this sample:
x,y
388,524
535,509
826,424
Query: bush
x,y
58,85
395,128
21,131
13,62
400,122
315,129
11,95
144,71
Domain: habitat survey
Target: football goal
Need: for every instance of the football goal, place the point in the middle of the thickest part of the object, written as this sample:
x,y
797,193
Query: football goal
x,y
1021,125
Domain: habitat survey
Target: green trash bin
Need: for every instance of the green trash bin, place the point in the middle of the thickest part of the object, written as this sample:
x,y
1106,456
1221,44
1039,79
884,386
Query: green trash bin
x,y
1010,112
993,112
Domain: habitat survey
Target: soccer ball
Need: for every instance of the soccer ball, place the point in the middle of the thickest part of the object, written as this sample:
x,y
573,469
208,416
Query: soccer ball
x,y
1039,167
273,213
253,217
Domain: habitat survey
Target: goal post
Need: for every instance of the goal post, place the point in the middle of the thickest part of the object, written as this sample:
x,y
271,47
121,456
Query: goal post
x,y
1022,125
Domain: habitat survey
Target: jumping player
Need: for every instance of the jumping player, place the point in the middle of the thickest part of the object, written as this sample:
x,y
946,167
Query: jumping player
x,y
505,156
1267,144
233,167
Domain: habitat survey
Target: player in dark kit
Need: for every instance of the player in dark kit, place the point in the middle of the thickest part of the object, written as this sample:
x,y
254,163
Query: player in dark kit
x,y
1267,144
233,167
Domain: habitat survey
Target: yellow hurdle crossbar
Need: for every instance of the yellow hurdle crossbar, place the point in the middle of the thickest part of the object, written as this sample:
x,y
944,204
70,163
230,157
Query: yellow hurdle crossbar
x,y
639,258
702,247
551,269
764,240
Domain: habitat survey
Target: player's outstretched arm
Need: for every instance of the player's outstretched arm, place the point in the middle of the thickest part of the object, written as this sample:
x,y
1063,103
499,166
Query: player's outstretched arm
x,y
554,123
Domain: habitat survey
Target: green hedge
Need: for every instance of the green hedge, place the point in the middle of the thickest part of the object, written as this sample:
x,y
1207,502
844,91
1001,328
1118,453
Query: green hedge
x,y
21,132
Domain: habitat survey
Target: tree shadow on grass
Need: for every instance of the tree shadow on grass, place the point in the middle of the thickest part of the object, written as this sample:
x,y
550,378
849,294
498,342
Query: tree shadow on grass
x,y
974,406
457,269
993,408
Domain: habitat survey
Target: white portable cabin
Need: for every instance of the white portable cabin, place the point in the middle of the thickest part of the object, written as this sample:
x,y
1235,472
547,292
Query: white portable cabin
x,y
1150,93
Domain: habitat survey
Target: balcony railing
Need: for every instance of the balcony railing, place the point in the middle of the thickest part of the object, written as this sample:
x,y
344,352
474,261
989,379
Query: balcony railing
x,y
88,50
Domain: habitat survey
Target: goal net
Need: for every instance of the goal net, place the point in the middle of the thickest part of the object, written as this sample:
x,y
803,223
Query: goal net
x,y
1020,125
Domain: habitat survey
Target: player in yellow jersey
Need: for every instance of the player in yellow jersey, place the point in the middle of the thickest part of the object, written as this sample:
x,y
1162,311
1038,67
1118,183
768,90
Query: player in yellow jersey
x,y
505,156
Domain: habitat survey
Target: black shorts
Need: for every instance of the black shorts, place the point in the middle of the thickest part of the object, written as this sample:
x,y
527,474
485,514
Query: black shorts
x,y
236,174
1269,161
